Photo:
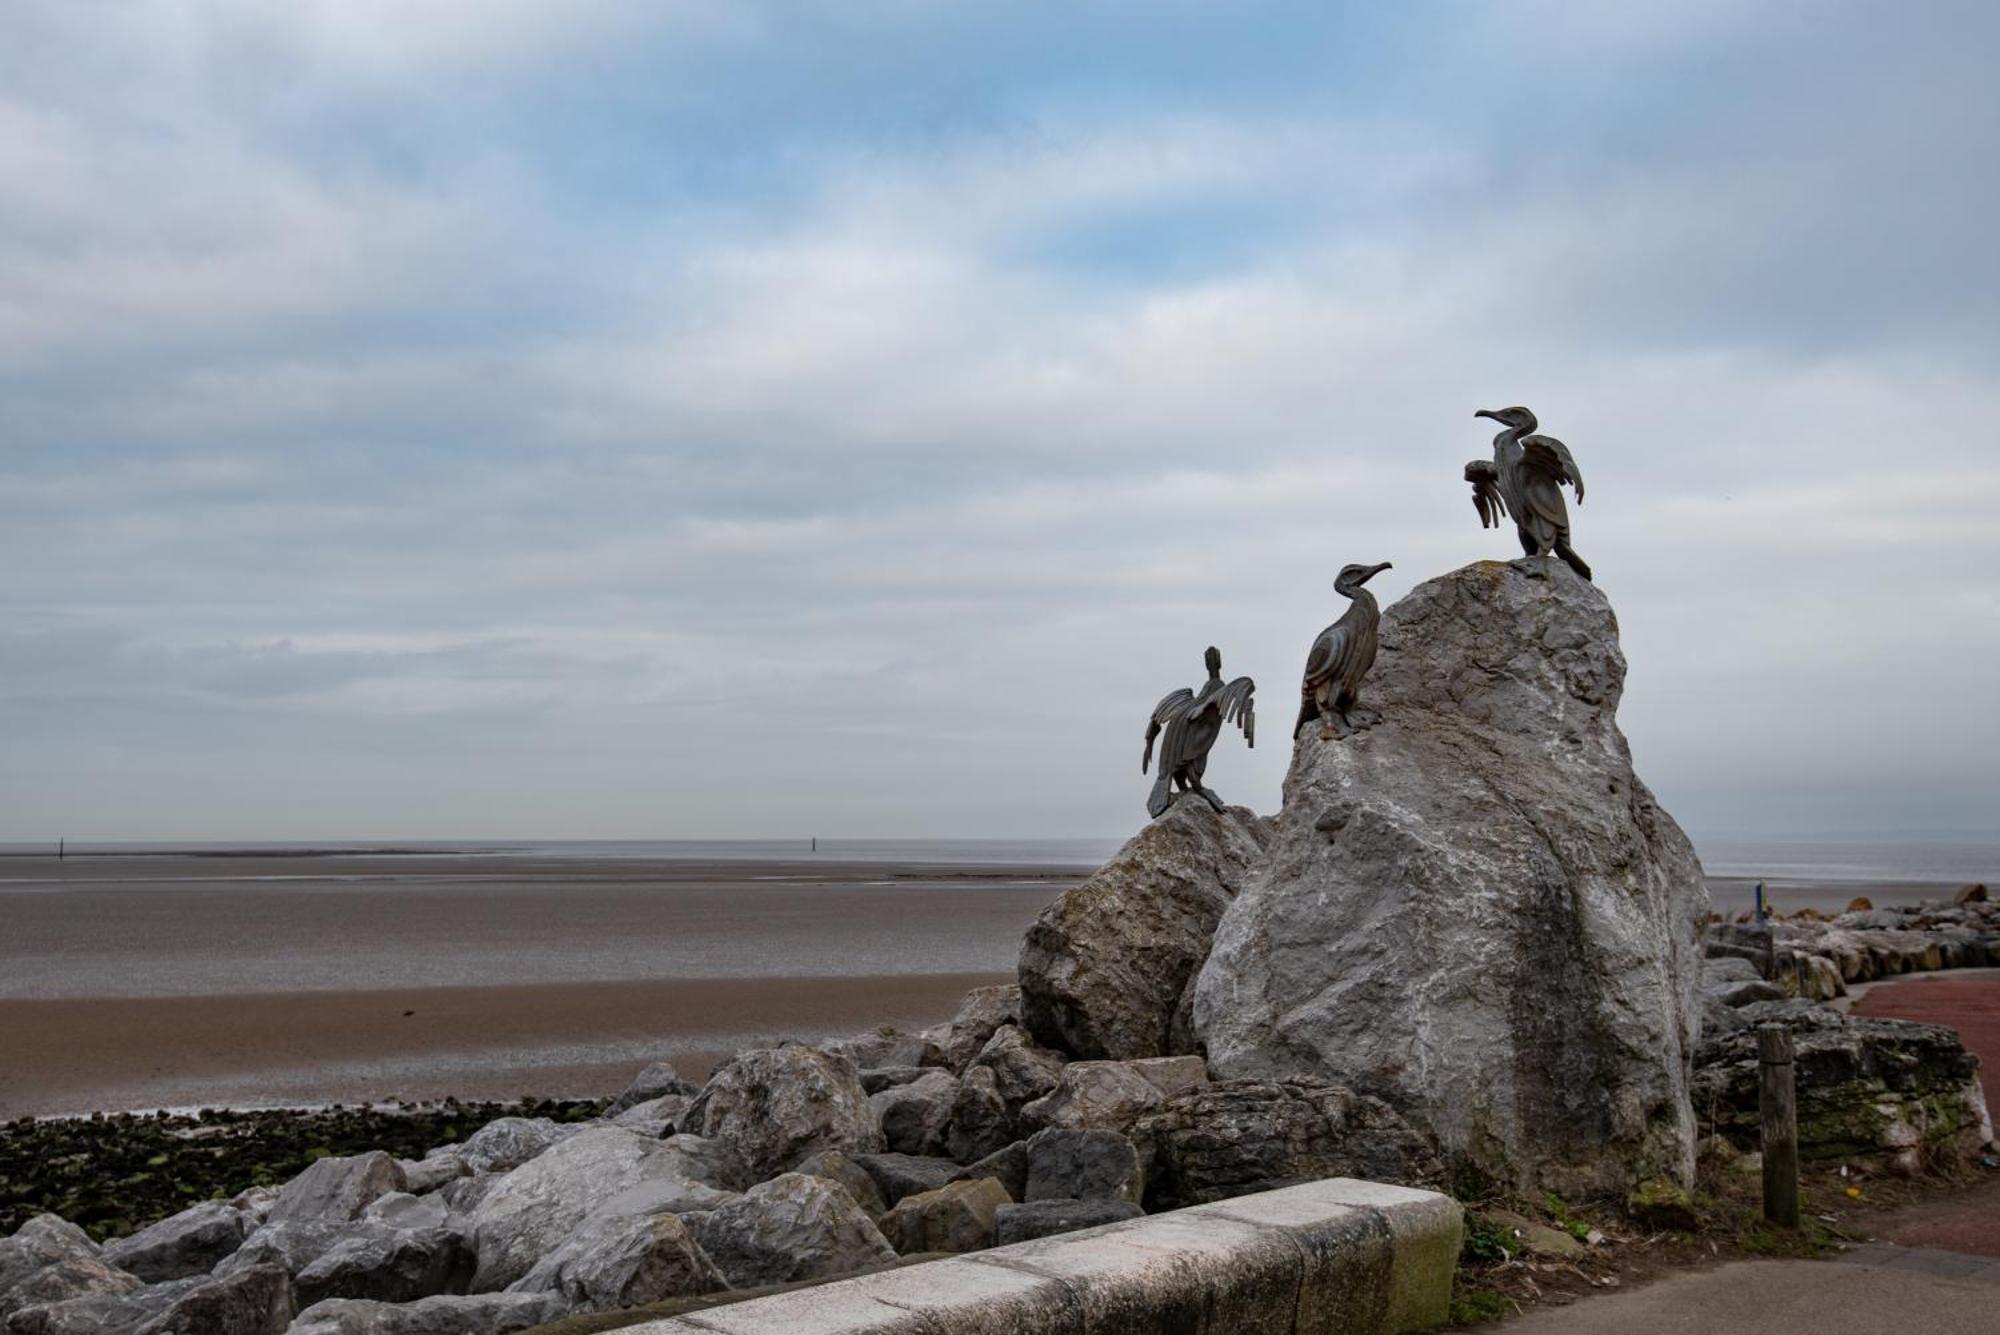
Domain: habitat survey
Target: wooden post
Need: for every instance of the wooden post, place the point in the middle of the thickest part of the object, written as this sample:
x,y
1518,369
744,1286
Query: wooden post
x,y
1779,1112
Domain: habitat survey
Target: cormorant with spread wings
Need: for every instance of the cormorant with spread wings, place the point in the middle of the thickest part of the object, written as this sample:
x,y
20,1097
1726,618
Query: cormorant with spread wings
x,y
1525,480
1192,722
1341,657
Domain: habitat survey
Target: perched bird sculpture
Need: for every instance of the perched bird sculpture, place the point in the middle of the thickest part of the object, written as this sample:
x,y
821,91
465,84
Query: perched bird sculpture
x,y
1525,480
1192,721
1341,657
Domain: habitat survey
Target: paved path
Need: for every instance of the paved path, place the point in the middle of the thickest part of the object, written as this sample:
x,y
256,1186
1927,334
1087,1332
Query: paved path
x,y
1872,1291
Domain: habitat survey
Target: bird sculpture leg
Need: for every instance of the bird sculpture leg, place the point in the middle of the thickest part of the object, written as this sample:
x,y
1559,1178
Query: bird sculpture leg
x,y
1528,543
1568,554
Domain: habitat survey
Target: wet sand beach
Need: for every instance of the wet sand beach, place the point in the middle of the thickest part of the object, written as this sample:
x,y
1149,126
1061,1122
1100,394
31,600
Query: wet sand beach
x,y
140,982
286,977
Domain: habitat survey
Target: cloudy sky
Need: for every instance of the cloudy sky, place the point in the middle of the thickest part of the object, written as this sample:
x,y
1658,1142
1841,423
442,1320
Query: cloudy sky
x,y
463,418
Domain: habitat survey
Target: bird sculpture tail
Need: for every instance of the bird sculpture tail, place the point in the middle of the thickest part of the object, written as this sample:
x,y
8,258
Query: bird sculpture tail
x,y
1162,795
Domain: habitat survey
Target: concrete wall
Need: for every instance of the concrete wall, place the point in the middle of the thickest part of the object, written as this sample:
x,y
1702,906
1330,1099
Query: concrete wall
x,y
1325,1258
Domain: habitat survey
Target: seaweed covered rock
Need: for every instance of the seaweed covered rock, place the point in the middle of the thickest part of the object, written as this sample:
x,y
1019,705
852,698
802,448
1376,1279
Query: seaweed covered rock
x,y
1472,908
1238,1136
1903,1093
776,1106
1103,968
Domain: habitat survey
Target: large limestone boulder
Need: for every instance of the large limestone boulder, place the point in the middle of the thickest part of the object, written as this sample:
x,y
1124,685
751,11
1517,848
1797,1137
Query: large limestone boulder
x,y
508,1142
956,1217
1235,1137
916,1117
793,1227
983,1011
50,1260
1103,968
612,1263
334,1189
533,1209
1473,908
476,1314
392,1265
776,1106
1902,1094
189,1243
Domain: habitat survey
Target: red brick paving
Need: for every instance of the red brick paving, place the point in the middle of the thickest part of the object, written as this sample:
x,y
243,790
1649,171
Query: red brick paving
x,y
1969,1222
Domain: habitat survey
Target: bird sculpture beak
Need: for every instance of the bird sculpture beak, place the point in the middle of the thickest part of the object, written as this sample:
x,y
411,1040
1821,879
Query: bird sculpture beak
x,y
1376,571
1488,412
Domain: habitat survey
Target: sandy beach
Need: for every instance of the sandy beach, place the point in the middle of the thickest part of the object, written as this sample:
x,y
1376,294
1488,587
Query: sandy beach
x,y
141,982
269,978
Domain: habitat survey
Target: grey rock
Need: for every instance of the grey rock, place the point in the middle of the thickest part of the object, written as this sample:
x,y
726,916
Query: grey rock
x,y
776,1106
1743,994
1728,969
1041,1219
980,1014
506,1143
793,1227
1103,967
96,1313
837,1168
612,1263
1240,1136
462,1197
657,1116
1023,1069
474,1314
49,1260
980,1119
1473,908
956,1217
886,1046
188,1243
292,1245
257,1300
532,1209
662,1195
1083,1165
337,1189
1114,1095
915,1117
656,1081
876,1079
1007,1165
255,1203
1873,1090
900,1175
433,1171
399,1209
393,1265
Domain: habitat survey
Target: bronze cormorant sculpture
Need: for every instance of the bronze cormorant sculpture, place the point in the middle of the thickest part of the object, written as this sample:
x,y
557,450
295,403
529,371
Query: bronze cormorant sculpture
x,y
1192,722
1525,480
1341,657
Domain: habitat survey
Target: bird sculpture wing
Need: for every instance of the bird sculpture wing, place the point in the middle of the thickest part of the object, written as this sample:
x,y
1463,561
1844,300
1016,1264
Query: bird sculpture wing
x,y
1547,457
1486,498
1238,707
1324,661
1170,714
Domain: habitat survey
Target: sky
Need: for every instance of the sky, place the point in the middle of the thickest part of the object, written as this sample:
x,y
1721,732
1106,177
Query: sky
x,y
491,418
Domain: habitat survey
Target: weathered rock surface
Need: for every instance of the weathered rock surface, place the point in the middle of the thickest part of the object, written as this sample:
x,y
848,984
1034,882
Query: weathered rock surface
x,y
915,1117
399,1209
433,1171
837,1168
979,1016
392,1265
612,1263
477,1314
531,1210
900,1175
294,1244
1083,1165
1867,1087
257,1300
1103,968
1023,1069
655,1117
1473,908
656,1081
776,1106
1114,1095
334,1189
1041,1219
189,1243
887,1046
795,1226
506,1143
980,1119
1239,1136
956,1217
1008,1166
50,1260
